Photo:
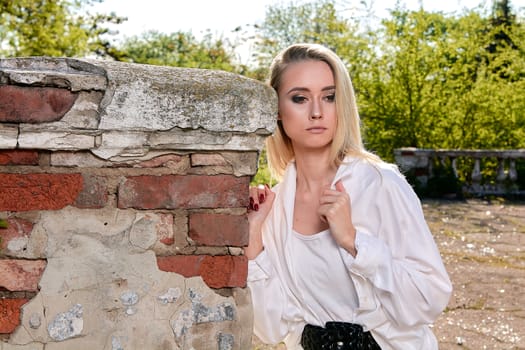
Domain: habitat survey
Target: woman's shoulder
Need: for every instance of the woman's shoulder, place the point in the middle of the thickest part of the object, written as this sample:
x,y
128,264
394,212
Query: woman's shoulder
x,y
374,170
371,166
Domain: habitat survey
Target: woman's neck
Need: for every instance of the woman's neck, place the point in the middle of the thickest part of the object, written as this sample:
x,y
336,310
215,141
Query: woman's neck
x,y
314,171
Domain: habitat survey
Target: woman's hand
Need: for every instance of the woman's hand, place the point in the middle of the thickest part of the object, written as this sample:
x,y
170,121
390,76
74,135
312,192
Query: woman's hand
x,y
261,201
335,209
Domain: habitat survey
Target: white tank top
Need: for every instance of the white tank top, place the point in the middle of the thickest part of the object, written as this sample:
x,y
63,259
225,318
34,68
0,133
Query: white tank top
x,y
327,291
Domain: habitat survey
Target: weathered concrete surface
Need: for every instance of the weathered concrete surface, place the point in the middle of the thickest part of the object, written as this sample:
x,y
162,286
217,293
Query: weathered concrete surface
x,y
102,289
129,110
483,247
172,97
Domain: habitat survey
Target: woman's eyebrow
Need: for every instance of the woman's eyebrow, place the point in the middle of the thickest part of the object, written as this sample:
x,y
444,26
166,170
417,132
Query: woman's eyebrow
x,y
302,89
298,89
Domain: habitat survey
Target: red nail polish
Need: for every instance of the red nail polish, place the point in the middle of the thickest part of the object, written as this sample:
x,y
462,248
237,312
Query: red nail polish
x,y
261,198
256,207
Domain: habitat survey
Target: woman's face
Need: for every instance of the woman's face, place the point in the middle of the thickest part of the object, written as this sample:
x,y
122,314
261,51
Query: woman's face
x,y
307,105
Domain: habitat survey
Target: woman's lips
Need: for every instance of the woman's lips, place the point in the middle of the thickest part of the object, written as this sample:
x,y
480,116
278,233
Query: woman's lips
x,y
316,130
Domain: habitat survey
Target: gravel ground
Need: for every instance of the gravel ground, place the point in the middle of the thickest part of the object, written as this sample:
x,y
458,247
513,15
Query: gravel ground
x,y
483,247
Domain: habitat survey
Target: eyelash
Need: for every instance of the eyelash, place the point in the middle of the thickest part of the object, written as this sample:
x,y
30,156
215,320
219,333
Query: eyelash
x,y
298,99
301,99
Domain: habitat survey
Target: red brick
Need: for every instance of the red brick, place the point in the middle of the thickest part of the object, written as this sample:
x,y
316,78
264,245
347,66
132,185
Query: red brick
x,y
16,228
219,229
186,265
22,192
223,271
18,157
22,104
179,191
10,314
21,275
94,192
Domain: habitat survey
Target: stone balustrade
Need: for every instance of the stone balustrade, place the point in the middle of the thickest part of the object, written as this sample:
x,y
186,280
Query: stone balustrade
x,y
477,172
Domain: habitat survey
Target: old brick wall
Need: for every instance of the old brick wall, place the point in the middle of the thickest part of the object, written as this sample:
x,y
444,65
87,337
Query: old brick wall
x,y
124,188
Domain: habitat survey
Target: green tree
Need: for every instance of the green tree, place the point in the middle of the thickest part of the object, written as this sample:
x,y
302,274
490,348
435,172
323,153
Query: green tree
x,y
485,108
399,91
54,28
435,84
180,49
313,22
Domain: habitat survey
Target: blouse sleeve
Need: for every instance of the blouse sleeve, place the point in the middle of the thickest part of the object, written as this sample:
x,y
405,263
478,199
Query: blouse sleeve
x,y
267,300
398,255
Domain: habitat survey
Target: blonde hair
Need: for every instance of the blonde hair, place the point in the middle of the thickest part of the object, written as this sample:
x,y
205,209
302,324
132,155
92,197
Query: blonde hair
x,y
347,139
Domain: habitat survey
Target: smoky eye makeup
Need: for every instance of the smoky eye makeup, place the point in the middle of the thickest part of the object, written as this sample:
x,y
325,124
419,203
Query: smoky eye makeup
x,y
298,98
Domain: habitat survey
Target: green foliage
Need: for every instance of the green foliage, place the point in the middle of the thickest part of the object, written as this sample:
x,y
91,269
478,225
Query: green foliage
x,y
403,93
312,22
3,223
263,175
436,84
180,50
53,28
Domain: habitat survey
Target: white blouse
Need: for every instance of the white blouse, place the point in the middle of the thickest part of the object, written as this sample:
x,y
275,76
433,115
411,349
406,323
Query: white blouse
x,y
395,287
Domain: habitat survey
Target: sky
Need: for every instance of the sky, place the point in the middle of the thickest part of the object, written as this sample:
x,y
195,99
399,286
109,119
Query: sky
x,y
221,17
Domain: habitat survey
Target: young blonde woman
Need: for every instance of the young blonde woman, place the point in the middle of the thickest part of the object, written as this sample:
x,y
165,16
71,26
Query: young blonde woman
x,y
340,255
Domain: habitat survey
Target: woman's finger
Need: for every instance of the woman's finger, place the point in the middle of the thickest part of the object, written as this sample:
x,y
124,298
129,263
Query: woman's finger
x,y
340,187
258,195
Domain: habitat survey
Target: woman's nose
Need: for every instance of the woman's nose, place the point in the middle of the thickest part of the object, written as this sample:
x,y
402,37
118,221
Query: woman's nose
x,y
316,112
315,115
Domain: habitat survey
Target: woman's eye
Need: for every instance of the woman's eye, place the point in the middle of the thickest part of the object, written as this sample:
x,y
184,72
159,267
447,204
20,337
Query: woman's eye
x,y
330,98
298,99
